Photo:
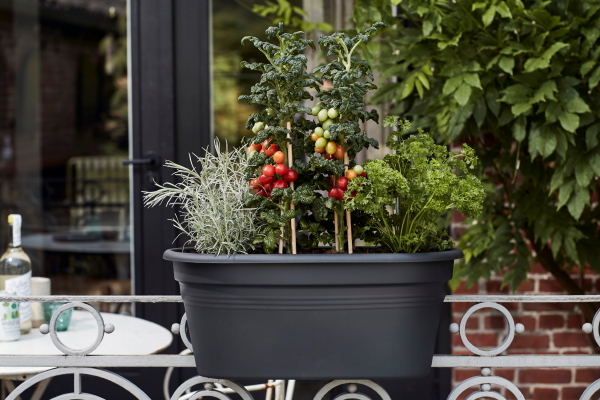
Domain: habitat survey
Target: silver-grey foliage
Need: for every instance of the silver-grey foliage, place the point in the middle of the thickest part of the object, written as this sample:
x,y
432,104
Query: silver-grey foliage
x,y
211,202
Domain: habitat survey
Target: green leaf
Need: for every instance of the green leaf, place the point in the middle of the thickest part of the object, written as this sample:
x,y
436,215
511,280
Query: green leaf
x,y
427,27
552,50
583,173
488,16
564,194
594,78
536,63
479,112
569,121
514,94
451,85
577,105
507,64
491,98
423,79
546,142
519,128
587,67
396,2
595,163
472,79
578,202
409,87
545,92
503,10
591,136
463,94
520,108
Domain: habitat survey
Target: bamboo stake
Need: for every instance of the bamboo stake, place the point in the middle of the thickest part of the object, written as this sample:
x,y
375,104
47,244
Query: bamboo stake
x,y
348,217
292,206
335,222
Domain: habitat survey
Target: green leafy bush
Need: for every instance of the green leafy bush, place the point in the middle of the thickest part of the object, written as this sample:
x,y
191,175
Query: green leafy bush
x,y
407,192
519,81
212,202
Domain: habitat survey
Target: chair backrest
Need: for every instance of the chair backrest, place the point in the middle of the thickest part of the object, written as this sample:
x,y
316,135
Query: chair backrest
x,y
97,184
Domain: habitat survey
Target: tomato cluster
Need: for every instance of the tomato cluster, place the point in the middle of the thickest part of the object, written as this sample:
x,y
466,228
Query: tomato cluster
x,y
273,176
264,147
321,135
339,186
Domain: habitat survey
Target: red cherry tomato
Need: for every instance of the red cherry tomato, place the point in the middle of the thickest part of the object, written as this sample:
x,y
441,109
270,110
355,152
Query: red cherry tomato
x,y
268,170
353,194
363,174
257,147
339,152
320,149
280,169
255,183
265,179
336,193
279,157
271,150
280,184
261,192
329,156
265,144
342,182
290,175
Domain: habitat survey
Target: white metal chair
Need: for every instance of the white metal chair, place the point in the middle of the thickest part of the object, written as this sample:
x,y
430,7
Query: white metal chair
x,y
276,389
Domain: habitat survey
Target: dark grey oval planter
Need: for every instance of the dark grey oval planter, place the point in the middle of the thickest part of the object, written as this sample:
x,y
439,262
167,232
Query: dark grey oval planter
x,y
313,316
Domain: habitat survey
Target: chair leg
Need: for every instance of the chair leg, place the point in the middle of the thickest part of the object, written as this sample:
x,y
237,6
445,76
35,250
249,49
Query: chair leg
x,y
289,394
269,391
10,387
40,389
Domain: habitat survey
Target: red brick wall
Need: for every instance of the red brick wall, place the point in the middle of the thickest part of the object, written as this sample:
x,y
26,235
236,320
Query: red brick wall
x,y
549,329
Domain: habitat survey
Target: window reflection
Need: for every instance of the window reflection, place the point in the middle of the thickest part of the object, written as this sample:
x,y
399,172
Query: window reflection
x,y
232,20
63,135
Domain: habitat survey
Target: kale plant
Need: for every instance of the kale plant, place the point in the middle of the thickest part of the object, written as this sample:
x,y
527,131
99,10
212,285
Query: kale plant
x,y
212,203
281,90
407,192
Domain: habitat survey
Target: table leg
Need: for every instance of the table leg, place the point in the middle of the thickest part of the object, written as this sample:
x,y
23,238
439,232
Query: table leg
x,y
40,389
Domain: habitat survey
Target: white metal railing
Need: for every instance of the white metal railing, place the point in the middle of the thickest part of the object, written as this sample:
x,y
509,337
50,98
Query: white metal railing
x,y
77,362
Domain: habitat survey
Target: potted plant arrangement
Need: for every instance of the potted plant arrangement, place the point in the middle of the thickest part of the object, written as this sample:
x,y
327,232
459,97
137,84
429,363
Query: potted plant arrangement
x,y
274,286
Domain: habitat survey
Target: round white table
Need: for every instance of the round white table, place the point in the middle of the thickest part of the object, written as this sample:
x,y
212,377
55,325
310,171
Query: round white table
x,y
132,336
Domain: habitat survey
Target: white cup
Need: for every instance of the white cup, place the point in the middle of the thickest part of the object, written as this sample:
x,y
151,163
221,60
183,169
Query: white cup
x,y
39,287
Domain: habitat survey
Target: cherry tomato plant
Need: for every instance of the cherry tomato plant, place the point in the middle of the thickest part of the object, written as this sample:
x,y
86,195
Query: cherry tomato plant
x,y
338,137
321,139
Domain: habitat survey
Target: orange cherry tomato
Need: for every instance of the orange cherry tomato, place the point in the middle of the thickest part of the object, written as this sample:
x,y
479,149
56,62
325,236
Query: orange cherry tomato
x,y
351,174
314,137
279,157
320,149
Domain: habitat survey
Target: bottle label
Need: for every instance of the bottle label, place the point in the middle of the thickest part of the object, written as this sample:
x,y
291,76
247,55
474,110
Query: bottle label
x,y
9,321
21,285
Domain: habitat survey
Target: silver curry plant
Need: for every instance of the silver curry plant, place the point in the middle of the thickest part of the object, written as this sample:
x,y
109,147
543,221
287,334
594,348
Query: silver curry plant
x,y
211,202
